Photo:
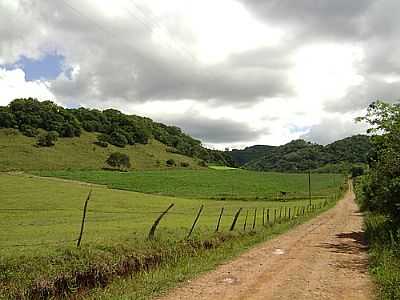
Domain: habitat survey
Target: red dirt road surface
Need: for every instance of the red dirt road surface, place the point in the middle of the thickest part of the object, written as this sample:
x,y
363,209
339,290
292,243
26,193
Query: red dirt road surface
x,y
324,258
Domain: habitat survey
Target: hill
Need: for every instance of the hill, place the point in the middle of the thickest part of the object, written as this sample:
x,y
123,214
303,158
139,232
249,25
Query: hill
x,y
85,138
299,155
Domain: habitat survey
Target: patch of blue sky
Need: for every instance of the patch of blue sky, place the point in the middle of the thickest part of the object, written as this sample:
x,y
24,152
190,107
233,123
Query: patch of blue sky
x,y
47,67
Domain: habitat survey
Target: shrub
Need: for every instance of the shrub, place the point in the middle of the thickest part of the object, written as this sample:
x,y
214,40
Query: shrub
x,y
119,160
170,162
47,139
118,139
102,141
184,164
29,131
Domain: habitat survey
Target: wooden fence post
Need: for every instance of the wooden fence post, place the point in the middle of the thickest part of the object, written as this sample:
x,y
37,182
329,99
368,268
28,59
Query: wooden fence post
x,y
245,220
254,219
235,218
219,219
157,221
195,221
263,217
268,216
289,213
83,218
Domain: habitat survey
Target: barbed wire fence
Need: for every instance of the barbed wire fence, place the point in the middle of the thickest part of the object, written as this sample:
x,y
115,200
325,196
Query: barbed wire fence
x,y
253,217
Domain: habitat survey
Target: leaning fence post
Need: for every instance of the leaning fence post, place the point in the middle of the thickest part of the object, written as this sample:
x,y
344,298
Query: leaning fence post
x,y
254,219
268,216
263,217
245,220
83,218
235,218
157,221
274,215
195,221
289,213
219,219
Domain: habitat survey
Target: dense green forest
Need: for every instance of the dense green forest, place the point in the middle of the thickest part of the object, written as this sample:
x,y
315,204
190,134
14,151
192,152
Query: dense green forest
x,y
32,117
299,155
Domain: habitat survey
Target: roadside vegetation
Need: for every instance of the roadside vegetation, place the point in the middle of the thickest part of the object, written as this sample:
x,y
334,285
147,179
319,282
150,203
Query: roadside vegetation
x,y
378,193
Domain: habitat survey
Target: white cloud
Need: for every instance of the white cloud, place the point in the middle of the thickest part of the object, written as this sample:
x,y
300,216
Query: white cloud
x,y
13,85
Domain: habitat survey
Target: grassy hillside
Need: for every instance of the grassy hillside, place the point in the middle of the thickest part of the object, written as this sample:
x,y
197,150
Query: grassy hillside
x,y
214,184
19,152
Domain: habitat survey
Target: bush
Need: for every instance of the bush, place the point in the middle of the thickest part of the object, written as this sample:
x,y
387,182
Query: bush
x,y
102,141
170,162
119,160
184,164
118,139
47,139
29,131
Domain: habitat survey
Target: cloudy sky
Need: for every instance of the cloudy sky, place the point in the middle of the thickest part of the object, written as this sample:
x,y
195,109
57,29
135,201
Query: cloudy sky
x,y
230,72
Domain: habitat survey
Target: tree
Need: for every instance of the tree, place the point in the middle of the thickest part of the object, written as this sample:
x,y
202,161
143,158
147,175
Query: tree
x,y
170,162
47,139
381,190
116,138
119,160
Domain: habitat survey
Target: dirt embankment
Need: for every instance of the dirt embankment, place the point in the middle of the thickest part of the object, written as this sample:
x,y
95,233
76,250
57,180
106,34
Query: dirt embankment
x,y
324,258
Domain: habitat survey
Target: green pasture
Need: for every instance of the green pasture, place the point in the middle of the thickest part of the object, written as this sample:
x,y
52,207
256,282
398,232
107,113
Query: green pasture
x,y
40,214
211,184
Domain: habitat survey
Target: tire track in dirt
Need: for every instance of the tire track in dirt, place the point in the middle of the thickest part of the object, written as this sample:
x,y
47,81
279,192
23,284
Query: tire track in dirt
x,y
325,258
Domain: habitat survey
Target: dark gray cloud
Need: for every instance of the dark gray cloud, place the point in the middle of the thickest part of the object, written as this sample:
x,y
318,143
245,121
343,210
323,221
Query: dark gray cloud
x,y
361,96
314,19
219,131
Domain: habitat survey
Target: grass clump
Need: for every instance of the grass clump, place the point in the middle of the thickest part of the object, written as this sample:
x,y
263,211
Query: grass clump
x,y
384,253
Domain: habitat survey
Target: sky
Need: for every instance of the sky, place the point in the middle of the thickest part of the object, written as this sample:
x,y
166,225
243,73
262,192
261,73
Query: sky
x,y
232,73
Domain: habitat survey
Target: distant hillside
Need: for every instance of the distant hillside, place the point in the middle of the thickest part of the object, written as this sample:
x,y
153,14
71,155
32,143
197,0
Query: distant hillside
x,y
299,155
87,136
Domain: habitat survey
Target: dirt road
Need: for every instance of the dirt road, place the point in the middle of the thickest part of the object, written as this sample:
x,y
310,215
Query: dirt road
x,y
324,258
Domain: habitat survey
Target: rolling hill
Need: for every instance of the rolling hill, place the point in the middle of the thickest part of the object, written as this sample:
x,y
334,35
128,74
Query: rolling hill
x,y
37,135
299,155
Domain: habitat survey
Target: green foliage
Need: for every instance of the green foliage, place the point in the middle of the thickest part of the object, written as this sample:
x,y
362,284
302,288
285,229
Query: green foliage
x,y
357,171
170,162
299,155
381,189
384,254
30,114
119,160
47,139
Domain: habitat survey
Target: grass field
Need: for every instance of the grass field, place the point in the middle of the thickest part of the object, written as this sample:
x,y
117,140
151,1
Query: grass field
x,y
41,219
210,184
17,151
